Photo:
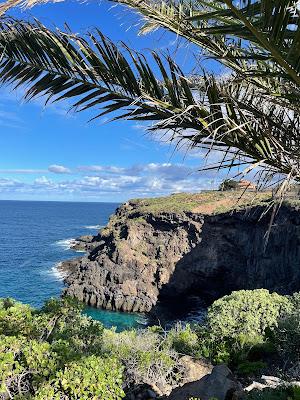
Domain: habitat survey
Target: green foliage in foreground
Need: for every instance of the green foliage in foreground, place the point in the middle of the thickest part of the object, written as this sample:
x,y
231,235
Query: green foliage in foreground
x,y
290,393
236,329
245,315
57,353
54,353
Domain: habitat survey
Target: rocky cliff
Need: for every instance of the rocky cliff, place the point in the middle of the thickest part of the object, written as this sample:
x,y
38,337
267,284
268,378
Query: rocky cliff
x,y
165,249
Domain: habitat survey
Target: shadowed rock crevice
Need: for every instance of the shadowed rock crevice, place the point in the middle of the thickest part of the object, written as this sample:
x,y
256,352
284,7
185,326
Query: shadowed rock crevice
x,y
141,258
232,256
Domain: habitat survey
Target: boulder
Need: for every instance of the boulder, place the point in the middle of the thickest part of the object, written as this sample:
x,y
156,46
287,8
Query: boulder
x,y
194,370
220,385
143,392
270,382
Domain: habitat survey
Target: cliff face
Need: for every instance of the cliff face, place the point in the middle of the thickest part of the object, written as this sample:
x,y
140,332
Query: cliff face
x,y
143,256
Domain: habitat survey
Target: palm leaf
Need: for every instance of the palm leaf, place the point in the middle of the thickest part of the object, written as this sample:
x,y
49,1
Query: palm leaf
x,y
97,75
260,41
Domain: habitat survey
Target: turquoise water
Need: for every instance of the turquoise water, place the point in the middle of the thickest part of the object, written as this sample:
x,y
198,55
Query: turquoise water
x,y
35,237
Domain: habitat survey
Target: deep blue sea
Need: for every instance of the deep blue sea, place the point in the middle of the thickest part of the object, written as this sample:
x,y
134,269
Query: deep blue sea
x,y
35,237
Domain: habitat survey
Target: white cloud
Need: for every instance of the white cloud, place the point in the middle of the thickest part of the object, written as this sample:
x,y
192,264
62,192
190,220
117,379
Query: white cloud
x,y
100,168
58,169
4,183
112,182
23,171
42,181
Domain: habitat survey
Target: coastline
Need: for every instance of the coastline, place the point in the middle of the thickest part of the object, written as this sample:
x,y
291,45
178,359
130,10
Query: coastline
x,y
151,254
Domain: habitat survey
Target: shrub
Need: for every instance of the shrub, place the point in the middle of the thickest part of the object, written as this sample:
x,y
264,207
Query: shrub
x,y
263,350
91,377
183,339
145,356
284,393
211,346
243,316
269,394
251,367
287,336
15,318
229,184
54,353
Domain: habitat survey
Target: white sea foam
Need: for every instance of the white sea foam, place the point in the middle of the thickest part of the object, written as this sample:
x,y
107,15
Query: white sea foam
x,y
93,226
66,244
57,272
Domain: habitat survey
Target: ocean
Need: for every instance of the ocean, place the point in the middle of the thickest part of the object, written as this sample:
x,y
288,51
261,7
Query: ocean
x,y
35,236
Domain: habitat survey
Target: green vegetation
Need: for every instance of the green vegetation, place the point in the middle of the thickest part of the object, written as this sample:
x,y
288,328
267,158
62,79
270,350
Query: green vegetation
x,y
291,393
138,220
176,203
229,184
287,336
251,115
54,353
57,353
210,202
244,316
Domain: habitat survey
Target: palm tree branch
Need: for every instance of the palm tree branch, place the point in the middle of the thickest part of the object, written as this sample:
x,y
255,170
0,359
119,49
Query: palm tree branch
x,y
265,42
98,75
221,25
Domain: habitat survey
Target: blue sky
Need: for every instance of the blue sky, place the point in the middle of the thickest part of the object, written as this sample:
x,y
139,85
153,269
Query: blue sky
x,y
50,154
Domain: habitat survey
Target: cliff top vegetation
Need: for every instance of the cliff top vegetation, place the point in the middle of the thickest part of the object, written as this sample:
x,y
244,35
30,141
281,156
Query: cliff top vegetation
x,y
210,202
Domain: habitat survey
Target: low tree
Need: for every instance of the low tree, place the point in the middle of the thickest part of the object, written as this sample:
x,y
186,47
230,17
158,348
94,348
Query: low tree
x,y
228,184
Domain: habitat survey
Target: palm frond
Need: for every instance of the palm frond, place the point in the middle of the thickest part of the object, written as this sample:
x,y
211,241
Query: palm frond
x,y
226,115
8,5
259,40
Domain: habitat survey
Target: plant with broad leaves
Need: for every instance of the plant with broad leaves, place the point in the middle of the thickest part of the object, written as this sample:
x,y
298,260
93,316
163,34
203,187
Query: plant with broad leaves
x,y
91,377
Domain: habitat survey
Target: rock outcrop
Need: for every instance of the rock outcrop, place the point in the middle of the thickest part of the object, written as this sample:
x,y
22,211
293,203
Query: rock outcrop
x,y
85,243
219,384
147,254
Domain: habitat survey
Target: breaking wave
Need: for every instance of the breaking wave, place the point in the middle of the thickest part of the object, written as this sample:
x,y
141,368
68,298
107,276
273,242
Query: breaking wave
x,y
58,273
93,226
66,244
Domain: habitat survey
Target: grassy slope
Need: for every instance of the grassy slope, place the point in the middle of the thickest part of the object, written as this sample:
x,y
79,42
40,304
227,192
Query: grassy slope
x,y
211,202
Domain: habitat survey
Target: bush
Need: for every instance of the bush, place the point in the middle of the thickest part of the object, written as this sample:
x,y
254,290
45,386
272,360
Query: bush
x,y
146,357
290,393
212,347
15,318
57,353
243,316
228,184
250,367
91,377
286,335
54,353
183,339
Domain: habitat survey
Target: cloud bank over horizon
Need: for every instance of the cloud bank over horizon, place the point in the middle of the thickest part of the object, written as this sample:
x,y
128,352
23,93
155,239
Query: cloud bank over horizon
x,y
103,182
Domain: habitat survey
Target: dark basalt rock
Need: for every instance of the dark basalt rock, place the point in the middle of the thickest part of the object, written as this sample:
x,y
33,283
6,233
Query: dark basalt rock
x,y
140,258
86,243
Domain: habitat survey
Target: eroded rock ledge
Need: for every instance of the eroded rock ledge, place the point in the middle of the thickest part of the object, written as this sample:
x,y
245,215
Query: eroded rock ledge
x,y
146,254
